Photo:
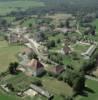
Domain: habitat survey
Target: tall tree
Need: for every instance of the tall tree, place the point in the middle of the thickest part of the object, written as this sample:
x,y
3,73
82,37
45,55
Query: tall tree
x,y
79,84
13,68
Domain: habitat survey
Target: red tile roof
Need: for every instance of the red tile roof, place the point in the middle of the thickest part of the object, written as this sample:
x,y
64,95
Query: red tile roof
x,y
35,64
57,69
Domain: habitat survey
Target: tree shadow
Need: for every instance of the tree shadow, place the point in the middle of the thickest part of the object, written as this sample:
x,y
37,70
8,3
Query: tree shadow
x,y
86,91
83,93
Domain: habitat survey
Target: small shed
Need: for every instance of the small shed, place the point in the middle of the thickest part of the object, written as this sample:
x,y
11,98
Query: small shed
x,y
66,50
57,69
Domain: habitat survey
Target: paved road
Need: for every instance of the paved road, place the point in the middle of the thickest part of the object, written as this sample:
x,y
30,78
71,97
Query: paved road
x,y
56,51
77,30
35,46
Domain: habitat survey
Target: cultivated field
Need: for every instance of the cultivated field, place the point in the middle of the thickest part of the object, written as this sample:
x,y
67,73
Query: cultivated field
x,y
15,5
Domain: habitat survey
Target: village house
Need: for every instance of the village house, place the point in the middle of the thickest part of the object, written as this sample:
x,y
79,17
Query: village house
x,y
57,69
38,36
89,52
15,38
44,28
33,67
30,92
12,38
63,30
66,50
26,53
42,91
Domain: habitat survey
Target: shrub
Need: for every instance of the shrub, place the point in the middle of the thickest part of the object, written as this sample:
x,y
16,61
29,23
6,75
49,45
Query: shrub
x,y
37,82
60,78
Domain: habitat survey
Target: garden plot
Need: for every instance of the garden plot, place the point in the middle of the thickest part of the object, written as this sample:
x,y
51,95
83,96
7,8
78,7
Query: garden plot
x,y
79,47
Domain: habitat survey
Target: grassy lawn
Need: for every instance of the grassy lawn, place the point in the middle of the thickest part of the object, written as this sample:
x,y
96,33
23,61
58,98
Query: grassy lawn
x,y
92,93
9,19
75,63
4,96
53,86
8,6
59,16
56,37
20,81
79,48
68,59
59,46
96,23
8,54
28,21
56,87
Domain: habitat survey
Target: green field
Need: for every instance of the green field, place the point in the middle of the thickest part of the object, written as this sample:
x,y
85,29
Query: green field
x,y
7,97
28,21
80,48
90,37
92,91
56,87
69,59
96,24
55,38
8,54
22,82
15,5
94,37
9,19
76,64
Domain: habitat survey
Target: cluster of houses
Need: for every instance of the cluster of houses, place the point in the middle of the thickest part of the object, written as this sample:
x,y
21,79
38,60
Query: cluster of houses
x,y
30,66
34,67
16,35
64,30
66,50
15,38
